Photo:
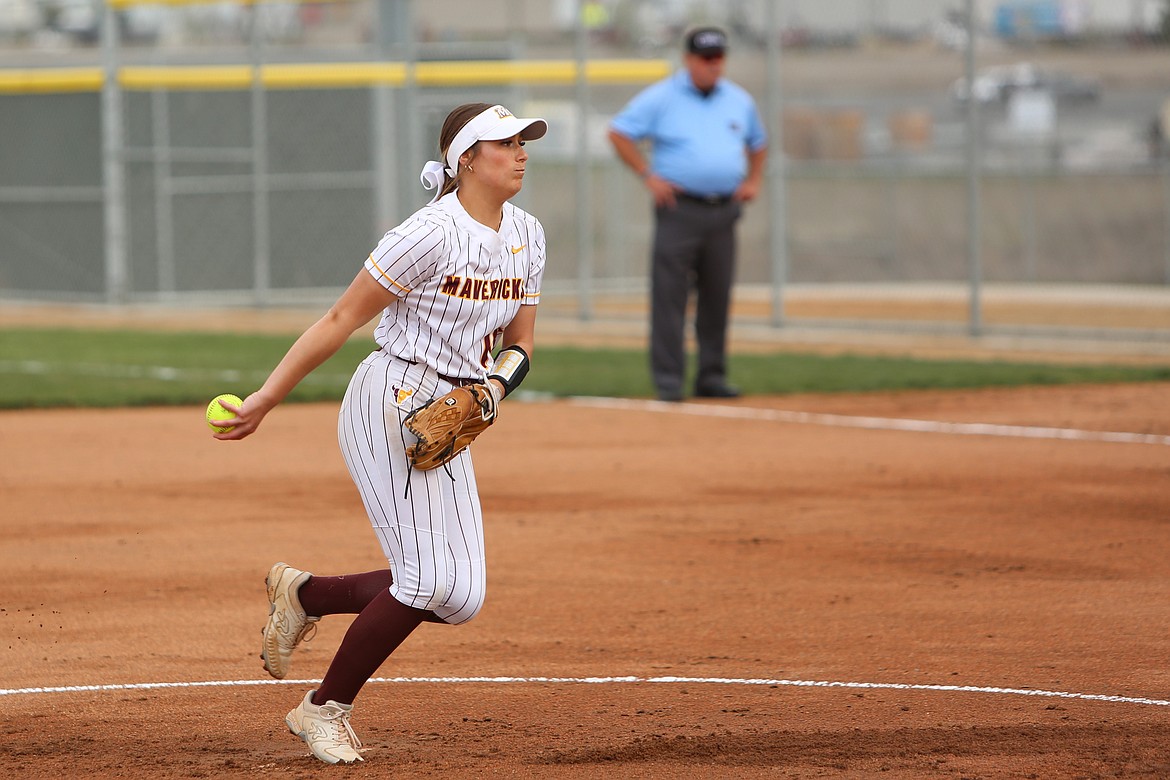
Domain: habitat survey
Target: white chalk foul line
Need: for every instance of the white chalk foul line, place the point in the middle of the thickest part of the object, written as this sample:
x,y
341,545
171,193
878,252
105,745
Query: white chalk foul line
x,y
873,423
171,374
608,681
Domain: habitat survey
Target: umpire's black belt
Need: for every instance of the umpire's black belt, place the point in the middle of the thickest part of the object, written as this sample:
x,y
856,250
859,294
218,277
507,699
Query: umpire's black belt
x,y
705,200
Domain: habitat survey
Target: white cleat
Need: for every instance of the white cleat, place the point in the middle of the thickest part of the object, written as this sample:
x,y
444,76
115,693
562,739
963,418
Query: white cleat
x,y
326,730
287,624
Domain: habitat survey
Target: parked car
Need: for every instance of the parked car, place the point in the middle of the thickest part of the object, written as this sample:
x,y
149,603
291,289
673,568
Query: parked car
x,y
1158,134
997,84
81,20
19,19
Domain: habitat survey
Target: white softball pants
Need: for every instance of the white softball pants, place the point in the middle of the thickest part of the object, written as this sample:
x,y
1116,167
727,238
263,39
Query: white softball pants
x,y
431,533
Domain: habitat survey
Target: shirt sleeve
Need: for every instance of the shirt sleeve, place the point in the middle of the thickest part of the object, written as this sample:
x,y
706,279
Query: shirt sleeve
x,y
757,135
406,255
637,119
536,269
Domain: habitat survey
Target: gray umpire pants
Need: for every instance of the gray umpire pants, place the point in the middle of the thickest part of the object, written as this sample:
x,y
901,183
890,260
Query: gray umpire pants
x,y
694,247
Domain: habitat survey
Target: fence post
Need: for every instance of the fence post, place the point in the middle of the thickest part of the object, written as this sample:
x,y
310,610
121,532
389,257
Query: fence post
x,y
261,239
113,170
584,174
410,98
974,163
394,28
1166,215
164,232
777,170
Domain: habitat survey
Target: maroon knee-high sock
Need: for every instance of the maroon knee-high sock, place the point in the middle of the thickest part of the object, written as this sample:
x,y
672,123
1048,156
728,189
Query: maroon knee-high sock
x,y
372,637
345,595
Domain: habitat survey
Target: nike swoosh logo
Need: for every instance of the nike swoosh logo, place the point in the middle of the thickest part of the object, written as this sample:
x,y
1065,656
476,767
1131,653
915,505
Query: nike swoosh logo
x,y
518,249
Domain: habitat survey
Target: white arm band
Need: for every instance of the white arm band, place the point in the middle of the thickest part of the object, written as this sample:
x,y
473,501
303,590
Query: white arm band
x,y
510,368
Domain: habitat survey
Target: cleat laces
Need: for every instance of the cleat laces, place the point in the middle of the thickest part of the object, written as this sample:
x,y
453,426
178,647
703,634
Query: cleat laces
x,y
335,727
307,632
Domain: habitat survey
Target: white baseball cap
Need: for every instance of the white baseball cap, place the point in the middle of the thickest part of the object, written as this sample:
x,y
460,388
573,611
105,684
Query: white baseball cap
x,y
491,124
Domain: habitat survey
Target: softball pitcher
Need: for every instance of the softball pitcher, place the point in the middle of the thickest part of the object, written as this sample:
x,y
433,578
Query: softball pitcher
x,y
458,278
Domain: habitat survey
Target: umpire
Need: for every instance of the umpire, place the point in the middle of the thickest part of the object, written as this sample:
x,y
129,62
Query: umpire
x,y
708,148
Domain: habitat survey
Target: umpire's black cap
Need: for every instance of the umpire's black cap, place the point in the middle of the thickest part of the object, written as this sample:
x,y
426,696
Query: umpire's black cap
x,y
707,41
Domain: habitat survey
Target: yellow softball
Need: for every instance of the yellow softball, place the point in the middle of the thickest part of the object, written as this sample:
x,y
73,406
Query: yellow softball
x,y
216,412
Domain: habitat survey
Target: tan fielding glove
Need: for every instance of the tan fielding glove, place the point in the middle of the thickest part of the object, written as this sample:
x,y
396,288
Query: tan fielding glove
x,y
446,425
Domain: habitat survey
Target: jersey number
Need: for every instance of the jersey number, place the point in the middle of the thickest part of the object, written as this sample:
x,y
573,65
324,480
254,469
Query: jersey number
x,y
489,345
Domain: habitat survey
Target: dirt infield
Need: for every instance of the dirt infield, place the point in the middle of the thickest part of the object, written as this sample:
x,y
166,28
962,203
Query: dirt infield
x,y
741,571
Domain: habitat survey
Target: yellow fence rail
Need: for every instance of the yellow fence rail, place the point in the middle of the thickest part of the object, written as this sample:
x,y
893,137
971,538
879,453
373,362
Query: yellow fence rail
x,y
335,75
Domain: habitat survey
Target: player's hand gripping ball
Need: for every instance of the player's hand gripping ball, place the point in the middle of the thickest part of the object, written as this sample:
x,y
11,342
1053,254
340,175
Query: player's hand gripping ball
x,y
215,412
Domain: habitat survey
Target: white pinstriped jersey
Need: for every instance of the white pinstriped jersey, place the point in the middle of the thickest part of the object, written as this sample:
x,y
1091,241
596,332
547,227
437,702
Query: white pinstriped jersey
x,y
458,284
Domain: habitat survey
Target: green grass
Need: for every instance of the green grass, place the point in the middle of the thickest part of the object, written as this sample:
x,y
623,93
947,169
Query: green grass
x,y
45,368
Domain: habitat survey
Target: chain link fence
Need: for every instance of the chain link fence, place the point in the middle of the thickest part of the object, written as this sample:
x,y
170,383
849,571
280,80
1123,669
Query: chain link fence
x,y
960,166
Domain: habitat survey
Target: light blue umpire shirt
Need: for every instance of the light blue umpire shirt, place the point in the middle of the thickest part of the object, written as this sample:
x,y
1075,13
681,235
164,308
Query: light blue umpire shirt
x,y
699,142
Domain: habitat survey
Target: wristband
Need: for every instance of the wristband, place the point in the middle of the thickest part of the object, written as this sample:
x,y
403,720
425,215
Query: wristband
x,y
510,368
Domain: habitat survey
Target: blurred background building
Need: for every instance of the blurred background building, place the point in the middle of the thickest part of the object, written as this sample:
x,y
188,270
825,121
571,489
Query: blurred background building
x,y
977,165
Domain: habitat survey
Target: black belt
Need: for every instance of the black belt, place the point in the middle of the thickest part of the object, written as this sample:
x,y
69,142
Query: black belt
x,y
458,381
451,380
705,200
